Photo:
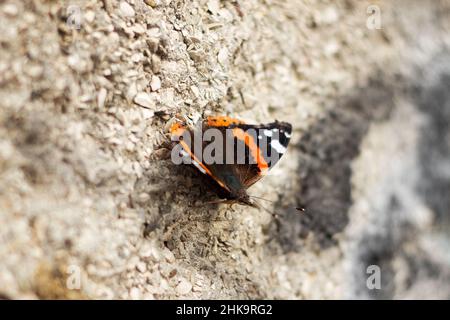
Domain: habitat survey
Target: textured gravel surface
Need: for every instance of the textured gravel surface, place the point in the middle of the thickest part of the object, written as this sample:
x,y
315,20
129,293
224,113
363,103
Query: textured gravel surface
x,y
91,208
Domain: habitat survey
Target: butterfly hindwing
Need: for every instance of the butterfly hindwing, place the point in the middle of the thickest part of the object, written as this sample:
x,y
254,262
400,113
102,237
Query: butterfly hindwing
x,y
233,171
187,150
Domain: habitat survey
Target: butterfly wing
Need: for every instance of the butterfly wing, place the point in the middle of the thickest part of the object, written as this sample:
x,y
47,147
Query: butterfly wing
x,y
261,145
264,145
186,148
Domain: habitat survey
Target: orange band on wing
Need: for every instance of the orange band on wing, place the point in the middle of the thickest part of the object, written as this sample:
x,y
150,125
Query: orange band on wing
x,y
254,149
207,171
178,130
222,121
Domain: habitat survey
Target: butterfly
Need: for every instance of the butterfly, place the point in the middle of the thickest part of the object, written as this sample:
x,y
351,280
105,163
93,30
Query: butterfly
x,y
247,152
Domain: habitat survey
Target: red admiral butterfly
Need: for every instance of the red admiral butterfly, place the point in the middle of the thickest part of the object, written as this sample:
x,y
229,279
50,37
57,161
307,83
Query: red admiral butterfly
x,y
261,145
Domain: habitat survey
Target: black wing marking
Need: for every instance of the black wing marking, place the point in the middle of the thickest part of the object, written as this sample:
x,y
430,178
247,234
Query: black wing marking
x,y
271,139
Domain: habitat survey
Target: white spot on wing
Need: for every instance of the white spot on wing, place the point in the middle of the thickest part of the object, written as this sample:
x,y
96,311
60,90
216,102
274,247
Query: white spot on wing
x,y
199,167
287,134
267,133
278,146
184,153
259,137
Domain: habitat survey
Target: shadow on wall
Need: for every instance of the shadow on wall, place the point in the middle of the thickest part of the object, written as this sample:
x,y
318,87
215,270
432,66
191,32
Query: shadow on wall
x,y
414,262
324,174
324,171
434,149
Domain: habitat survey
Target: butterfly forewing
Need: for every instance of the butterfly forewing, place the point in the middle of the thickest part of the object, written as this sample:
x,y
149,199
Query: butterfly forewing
x,y
247,152
263,146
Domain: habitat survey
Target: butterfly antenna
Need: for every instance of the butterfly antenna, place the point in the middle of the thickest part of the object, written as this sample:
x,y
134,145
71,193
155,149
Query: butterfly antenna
x,y
301,209
261,198
258,205
274,214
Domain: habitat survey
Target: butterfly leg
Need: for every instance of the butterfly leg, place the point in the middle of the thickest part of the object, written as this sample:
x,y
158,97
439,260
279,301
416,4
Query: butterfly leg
x,y
224,201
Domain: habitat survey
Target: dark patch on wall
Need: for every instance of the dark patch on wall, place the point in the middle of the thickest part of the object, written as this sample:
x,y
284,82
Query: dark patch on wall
x,y
425,275
434,150
30,135
324,172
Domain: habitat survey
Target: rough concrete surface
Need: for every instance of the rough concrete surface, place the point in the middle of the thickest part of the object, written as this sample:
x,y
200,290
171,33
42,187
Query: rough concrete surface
x,y
91,208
